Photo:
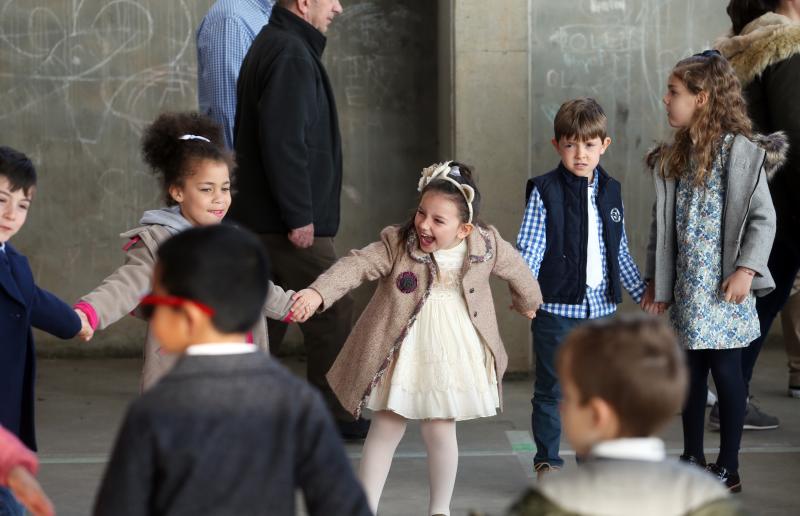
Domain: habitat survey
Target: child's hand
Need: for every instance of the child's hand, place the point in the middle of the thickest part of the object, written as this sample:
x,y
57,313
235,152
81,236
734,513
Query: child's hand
x,y
29,493
649,304
530,314
86,332
736,288
306,303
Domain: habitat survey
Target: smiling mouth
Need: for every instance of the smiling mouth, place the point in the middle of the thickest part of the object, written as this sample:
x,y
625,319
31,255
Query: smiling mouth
x,y
426,240
218,213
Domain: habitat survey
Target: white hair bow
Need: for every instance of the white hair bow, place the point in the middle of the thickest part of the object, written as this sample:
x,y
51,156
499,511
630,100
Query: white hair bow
x,y
443,171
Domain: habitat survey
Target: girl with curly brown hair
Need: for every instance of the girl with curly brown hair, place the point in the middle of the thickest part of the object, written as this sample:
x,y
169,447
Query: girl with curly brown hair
x,y
186,152
713,225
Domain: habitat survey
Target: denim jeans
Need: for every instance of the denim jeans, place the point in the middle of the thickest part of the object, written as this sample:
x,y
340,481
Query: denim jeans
x,y
9,506
784,263
549,331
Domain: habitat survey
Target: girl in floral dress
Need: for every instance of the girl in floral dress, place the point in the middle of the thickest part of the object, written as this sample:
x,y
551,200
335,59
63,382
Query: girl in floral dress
x,y
713,225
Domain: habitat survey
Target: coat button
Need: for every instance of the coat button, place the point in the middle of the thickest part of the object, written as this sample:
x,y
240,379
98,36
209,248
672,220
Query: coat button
x,y
472,291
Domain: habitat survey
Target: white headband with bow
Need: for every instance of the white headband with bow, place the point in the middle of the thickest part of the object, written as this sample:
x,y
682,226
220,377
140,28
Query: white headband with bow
x,y
442,171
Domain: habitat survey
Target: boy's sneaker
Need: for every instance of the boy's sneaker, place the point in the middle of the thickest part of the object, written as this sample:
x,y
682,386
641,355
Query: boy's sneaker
x,y
794,391
543,468
754,419
731,480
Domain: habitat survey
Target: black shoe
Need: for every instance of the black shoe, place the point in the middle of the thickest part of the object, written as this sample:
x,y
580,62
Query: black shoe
x,y
693,461
731,480
354,430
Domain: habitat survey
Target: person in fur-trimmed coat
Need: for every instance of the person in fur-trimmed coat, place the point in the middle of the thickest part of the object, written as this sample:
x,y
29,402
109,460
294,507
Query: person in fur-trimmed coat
x,y
427,347
764,49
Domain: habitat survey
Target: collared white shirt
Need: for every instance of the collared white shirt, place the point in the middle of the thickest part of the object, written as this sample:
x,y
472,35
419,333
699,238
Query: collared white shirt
x,y
649,449
232,348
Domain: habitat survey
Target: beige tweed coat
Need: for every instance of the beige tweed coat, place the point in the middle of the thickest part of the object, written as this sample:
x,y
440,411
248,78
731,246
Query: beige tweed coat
x,y
405,275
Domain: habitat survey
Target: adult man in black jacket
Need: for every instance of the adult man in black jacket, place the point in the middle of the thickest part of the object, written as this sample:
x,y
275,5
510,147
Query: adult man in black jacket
x,y
289,179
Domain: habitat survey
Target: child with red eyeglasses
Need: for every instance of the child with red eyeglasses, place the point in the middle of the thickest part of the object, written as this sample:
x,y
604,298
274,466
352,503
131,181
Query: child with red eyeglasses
x,y
227,430
186,152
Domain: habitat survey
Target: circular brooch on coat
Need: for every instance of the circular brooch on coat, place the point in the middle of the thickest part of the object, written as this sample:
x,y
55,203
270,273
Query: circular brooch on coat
x,y
407,282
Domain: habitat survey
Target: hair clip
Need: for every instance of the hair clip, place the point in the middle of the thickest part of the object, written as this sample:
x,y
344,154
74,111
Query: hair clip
x,y
194,137
708,53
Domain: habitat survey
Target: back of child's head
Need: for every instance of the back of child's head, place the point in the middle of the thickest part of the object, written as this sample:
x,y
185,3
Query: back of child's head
x,y
18,170
582,119
220,266
633,364
175,143
725,111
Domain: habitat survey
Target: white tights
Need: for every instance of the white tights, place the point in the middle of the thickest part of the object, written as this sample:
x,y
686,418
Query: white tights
x,y
384,435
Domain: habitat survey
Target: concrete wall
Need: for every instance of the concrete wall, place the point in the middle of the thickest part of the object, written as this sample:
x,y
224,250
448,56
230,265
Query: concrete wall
x,y
513,64
80,80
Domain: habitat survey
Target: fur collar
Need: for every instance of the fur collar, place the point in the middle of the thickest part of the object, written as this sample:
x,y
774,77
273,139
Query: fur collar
x,y
765,41
776,146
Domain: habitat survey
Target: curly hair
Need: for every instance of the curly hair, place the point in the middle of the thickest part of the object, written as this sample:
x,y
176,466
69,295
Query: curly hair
x,y
173,159
693,150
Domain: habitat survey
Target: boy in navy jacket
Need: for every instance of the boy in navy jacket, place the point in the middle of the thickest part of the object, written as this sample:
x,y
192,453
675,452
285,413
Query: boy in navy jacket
x,y
23,306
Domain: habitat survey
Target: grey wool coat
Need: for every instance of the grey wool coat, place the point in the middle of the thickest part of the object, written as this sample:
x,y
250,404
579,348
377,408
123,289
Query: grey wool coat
x,y
749,216
405,275
119,295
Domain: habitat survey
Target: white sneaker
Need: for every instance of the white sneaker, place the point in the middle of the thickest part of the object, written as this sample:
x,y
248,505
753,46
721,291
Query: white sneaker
x,y
712,398
794,391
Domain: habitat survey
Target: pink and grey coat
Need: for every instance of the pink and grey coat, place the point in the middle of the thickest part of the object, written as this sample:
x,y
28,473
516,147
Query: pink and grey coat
x,y
405,275
119,294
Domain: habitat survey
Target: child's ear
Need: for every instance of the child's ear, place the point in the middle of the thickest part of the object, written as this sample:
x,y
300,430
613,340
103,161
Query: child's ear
x,y
176,192
702,98
465,230
605,145
555,144
198,320
605,419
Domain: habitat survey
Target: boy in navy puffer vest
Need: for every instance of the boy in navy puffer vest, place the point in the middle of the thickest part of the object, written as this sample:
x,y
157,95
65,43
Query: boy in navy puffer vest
x,y
573,238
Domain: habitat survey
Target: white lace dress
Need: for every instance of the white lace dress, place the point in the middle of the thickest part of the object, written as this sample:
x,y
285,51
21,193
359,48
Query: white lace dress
x,y
443,369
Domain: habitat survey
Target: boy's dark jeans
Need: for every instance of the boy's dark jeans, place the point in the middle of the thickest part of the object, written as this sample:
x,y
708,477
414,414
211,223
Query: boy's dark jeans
x,y
549,331
784,263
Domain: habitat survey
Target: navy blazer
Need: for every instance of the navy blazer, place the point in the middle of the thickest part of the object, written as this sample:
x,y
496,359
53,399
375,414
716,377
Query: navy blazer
x,y
23,305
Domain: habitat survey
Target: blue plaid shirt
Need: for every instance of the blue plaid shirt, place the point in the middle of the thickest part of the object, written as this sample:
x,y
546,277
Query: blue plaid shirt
x,y
532,242
223,39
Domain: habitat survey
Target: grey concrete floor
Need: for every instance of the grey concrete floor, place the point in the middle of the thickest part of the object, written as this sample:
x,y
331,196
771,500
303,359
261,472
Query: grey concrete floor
x,y
81,403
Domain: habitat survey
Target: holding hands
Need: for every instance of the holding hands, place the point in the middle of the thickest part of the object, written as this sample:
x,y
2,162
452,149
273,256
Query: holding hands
x,y
649,304
86,332
306,304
